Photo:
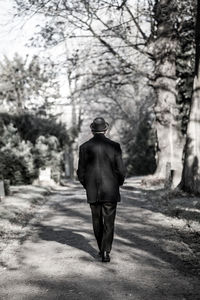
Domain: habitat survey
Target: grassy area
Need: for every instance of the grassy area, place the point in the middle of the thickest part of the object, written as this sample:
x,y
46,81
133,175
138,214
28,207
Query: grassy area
x,y
16,211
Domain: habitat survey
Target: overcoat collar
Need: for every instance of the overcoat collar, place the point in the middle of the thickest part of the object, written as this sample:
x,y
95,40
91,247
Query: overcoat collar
x,y
99,136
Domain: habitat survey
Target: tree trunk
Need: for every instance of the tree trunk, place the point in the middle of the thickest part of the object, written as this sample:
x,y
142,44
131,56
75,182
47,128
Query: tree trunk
x,y
191,172
170,138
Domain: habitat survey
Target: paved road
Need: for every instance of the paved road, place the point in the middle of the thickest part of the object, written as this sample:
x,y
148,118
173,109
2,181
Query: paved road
x,y
59,258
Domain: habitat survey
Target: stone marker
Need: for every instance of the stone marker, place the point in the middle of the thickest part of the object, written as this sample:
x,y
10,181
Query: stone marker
x,y
7,187
2,190
45,174
44,178
168,176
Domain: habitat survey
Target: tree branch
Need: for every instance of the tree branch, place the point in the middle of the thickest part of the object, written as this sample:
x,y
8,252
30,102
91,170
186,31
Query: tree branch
x,y
136,23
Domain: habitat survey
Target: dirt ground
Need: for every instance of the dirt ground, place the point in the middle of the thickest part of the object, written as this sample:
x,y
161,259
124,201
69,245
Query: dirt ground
x,y
155,251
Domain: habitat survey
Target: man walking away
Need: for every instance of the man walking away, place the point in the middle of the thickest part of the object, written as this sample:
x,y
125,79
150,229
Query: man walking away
x,y
101,171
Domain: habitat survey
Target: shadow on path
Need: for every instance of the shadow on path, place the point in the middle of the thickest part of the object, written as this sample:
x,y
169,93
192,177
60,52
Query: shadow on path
x,y
65,236
145,261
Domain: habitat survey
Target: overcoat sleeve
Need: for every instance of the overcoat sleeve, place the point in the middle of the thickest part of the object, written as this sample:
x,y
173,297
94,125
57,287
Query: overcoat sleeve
x,y
81,167
121,170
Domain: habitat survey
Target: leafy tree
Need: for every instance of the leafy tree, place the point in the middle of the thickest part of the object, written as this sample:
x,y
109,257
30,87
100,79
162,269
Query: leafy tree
x,y
26,83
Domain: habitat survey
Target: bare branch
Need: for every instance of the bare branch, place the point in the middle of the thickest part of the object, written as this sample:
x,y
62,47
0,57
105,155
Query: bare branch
x,y
136,23
122,5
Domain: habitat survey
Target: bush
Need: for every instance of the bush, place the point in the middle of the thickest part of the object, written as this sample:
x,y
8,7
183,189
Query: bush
x,y
28,143
15,168
47,153
30,127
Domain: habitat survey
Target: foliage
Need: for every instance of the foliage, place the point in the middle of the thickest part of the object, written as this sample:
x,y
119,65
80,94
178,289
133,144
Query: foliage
x,y
179,15
28,143
30,127
118,58
48,154
185,58
16,159
141,147
25,83
108,75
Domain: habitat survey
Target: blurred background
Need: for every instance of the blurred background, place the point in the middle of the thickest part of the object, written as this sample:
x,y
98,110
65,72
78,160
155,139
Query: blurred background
x,y
63,63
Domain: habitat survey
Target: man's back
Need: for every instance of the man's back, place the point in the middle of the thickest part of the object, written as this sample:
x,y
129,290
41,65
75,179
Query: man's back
x,y
101,172
101,169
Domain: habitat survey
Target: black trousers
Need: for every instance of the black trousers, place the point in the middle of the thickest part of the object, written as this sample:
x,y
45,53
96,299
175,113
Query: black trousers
x,y
103,218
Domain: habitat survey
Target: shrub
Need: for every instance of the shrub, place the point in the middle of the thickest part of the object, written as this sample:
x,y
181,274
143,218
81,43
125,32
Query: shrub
x,y
28,143
30,127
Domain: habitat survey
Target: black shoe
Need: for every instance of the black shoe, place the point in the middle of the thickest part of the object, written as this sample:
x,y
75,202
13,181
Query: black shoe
x,y
105,257
100,253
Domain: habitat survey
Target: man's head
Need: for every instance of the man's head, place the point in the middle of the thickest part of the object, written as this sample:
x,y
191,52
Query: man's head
x,y
99,125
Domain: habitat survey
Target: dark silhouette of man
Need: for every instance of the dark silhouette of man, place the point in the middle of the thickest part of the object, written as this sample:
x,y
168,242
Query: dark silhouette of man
x,y
101,171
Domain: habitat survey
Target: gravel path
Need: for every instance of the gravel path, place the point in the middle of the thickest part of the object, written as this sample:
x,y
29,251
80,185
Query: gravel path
x,y
58,260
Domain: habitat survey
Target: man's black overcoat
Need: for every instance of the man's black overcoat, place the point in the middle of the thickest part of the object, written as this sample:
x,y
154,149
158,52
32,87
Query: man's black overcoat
x,y
100,169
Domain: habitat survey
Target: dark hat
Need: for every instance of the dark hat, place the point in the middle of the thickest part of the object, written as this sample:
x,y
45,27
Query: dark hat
x,y
99,124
